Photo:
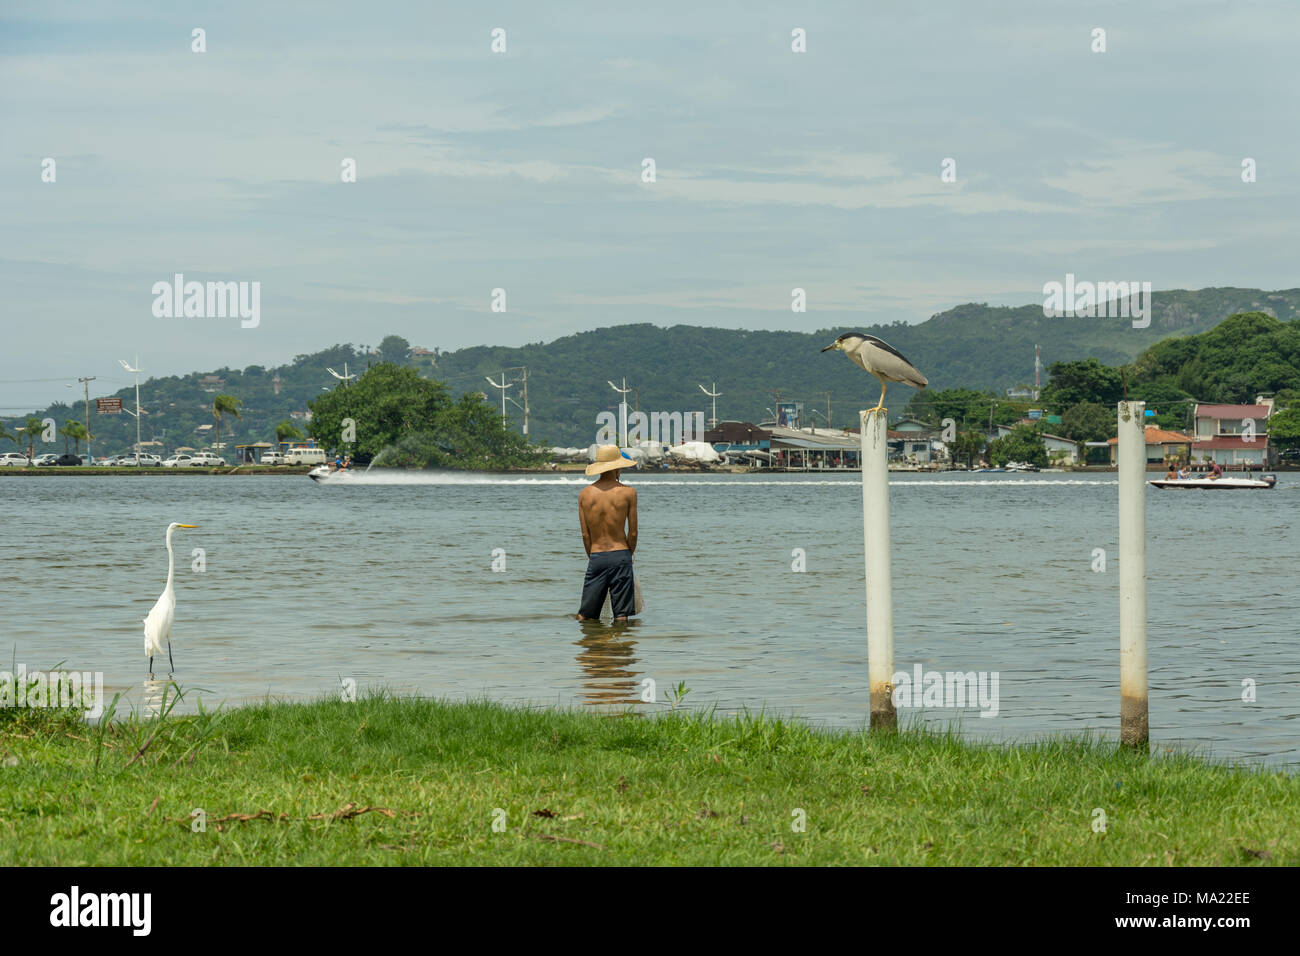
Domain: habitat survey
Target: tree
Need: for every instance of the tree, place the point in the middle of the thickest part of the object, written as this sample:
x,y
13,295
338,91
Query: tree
x,y
77,432
6,435
1170,403
287,431
395,349
224,405
963,405
412,422
967,446
1089,421
1021,444
1087,381
34,427
1284,428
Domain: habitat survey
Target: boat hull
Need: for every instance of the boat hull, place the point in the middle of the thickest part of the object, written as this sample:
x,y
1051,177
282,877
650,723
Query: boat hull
x,y
1217,484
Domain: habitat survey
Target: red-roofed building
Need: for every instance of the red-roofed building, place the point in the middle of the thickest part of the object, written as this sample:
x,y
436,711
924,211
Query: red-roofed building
x,y
1162,446
1233,434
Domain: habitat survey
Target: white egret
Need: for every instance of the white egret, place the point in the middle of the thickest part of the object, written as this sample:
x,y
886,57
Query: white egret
x,y
158,623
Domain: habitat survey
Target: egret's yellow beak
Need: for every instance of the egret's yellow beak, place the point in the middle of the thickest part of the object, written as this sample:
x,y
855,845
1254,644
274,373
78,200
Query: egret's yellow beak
x,y
195,526
833,345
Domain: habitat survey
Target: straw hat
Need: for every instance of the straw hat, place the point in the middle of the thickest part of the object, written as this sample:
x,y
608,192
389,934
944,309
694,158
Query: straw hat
x,y
608,457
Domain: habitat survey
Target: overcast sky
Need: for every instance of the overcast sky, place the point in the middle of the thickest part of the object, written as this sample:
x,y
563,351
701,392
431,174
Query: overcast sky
x,y
522,170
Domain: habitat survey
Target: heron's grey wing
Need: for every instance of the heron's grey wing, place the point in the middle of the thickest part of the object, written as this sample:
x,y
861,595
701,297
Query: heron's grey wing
x,y
881,343
906,372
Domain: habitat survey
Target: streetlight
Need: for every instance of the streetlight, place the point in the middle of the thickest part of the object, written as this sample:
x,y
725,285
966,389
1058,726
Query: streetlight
x,y
345,377
503,386
136,372
622,408
713,395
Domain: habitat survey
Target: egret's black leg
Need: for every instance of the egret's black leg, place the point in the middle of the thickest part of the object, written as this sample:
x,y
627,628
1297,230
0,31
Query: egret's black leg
x,y
151,656
169,647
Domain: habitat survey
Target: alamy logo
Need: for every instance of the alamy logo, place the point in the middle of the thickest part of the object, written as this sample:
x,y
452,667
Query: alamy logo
x,y
953,690
666,428
69,689
102,909
208,300
1098,300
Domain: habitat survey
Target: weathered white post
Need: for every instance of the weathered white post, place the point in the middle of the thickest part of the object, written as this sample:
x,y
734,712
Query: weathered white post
x,y
875,542
1132,452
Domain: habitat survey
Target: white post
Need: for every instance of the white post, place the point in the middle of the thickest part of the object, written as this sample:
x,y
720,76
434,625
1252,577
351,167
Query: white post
x,y
875,536
1132,465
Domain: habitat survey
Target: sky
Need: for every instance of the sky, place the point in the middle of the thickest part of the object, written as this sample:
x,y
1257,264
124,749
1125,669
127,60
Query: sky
x,y
522,170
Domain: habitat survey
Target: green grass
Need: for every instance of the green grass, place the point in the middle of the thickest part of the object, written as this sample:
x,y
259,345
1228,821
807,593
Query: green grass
x,y
282,784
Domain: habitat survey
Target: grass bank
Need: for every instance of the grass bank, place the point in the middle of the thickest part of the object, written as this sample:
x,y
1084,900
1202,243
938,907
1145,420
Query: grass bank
x,y
390,781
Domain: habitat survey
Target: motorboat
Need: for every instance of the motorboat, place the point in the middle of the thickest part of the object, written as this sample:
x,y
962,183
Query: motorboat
x,y
1216,484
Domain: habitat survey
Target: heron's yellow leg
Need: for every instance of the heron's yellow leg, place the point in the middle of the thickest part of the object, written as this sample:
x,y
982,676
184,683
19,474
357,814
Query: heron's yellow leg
x,y
880,404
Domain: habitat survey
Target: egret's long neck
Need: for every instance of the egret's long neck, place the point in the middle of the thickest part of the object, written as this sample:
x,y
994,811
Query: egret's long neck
x,y
170,559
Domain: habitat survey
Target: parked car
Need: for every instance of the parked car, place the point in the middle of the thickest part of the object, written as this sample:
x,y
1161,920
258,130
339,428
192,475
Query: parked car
x,y
108,461
42,461
15,459
68,460
149,461
183,461
206,459
274,458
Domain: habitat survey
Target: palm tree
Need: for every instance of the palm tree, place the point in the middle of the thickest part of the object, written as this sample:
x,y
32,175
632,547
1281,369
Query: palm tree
x,y
34,425
224,405
287,431
5,435
77,432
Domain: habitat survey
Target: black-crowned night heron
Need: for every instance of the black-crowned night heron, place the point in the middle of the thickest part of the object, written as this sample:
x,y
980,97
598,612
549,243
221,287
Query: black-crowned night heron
x,y
880,359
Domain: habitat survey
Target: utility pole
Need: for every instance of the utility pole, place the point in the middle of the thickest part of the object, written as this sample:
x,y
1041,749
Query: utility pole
x,y
503,386
136,370
713,423
523,380
90,458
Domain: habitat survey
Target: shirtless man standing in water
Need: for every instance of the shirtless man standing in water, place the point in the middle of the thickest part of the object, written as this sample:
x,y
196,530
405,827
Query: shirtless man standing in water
x,y
605,508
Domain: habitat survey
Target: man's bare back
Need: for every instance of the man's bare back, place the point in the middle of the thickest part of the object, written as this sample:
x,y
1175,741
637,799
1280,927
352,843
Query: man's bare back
x,y
607,516
605,509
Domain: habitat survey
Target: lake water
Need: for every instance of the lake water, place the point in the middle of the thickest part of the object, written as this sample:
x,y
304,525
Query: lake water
x,y
393,585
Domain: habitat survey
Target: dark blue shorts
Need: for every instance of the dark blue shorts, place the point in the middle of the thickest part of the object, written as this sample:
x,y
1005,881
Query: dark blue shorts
x,y
608,571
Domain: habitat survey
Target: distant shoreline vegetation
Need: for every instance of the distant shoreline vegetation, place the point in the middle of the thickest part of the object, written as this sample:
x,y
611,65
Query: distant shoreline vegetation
x,y
392,417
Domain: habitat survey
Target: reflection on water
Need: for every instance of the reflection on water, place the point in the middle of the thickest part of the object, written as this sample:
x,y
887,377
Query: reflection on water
x,y
153,694
606,658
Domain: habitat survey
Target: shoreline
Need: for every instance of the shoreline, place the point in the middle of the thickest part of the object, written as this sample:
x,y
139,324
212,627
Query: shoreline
x,y
302,470
385,780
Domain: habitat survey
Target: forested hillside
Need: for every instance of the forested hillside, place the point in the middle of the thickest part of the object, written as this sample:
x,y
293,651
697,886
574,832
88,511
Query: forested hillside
x,y
972,346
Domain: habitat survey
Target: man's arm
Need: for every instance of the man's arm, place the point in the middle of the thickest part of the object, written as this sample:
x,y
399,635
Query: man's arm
x,y
582,520
631,521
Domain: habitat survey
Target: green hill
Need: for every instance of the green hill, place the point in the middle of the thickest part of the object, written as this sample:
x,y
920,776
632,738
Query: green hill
x,y
972,346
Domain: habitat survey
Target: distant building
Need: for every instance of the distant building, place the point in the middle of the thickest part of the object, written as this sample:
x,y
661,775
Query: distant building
x,y
1233,434
912,425
211,383
739,436
1162,446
